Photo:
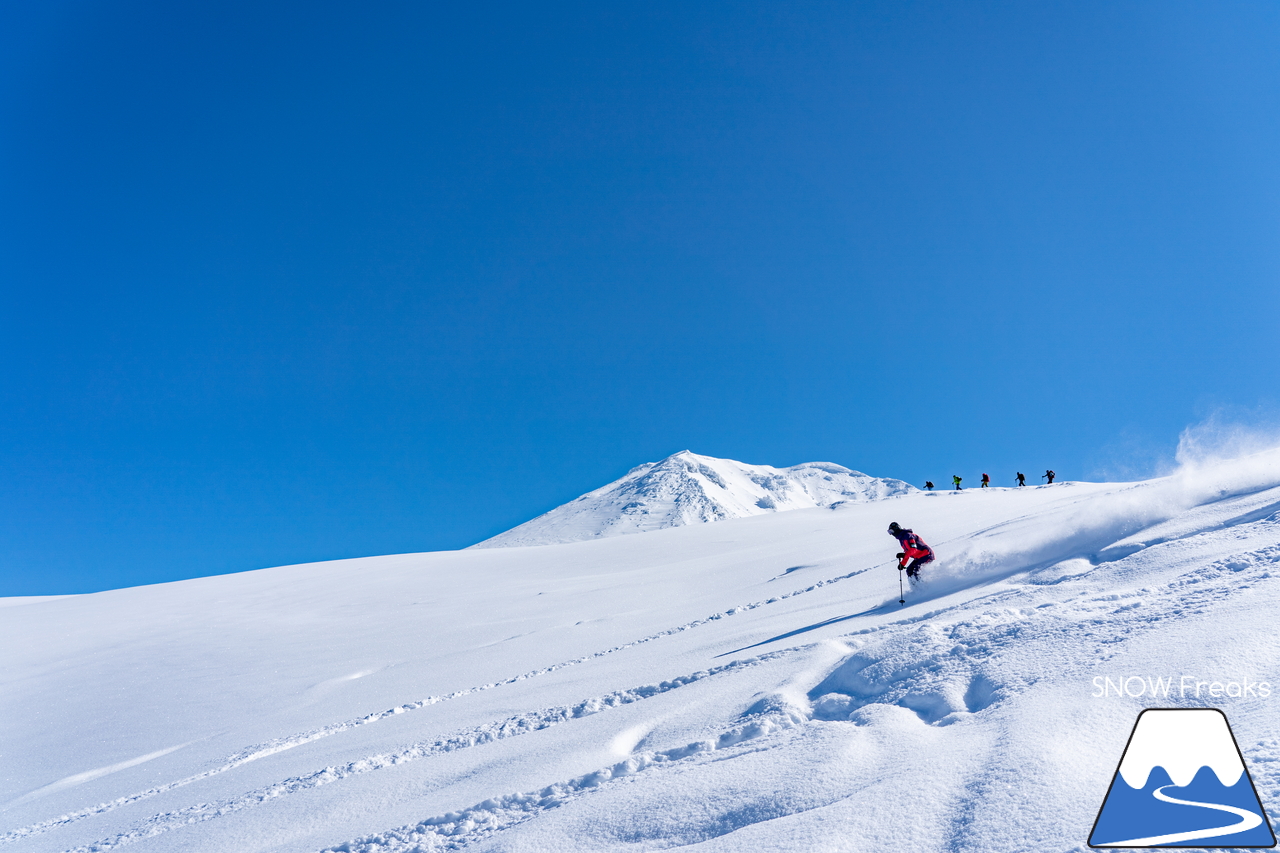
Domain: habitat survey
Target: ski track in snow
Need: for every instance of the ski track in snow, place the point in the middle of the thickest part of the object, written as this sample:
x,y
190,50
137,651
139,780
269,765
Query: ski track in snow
x,y
455,830
278,745
262,750
90,775
511,727
938,659
925,674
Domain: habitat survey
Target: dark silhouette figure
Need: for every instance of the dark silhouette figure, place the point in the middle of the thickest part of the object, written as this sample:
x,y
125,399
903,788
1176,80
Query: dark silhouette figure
x,y
956,479
986,481
928,484
1022,479
1050,475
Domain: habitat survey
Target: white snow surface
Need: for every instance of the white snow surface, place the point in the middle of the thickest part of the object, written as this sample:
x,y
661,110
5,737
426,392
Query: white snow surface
x,y
686,488
747,685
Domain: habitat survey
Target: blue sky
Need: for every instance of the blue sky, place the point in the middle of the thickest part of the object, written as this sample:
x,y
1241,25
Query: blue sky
x,y
286,282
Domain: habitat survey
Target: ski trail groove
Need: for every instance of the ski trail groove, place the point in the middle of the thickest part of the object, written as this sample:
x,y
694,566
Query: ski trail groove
x,y
1193,591
477,736
90,775
272,747
454,830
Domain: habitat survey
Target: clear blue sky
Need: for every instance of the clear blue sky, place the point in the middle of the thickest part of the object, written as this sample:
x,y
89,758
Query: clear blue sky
x,y
287,282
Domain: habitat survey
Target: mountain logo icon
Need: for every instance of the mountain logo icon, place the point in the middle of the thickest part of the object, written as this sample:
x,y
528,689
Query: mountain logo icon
x,y
1182,782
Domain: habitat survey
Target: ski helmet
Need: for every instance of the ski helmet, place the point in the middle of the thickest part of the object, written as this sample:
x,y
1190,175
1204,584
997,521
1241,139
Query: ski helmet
x,y
893,527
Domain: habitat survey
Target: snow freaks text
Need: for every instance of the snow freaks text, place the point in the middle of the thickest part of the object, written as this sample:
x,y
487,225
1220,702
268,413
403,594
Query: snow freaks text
x,y
1183,687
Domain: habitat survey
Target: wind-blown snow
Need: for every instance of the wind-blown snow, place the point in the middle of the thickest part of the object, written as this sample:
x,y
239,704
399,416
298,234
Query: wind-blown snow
x,y
741,686
689,489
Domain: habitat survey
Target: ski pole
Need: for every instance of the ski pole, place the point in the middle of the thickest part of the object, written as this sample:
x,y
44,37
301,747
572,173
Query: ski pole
x,y
902,599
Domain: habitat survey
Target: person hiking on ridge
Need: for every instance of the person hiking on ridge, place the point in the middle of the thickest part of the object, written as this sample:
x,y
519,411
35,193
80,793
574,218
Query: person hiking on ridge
x,y
1022,479
914,553
928,485
955,478
1050,475
986,481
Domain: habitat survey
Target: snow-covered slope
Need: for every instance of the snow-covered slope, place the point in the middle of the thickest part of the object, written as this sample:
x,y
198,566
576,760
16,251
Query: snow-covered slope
x,y
741,686
686,488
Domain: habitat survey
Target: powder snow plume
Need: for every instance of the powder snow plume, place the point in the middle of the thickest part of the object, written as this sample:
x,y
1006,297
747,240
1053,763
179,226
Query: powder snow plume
x,y
1213,464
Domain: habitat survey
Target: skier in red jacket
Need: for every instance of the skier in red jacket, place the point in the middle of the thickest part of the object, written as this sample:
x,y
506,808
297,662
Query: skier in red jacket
x,y
914,552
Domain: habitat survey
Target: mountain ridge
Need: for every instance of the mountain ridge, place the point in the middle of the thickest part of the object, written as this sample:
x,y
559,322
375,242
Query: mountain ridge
x,y
686,488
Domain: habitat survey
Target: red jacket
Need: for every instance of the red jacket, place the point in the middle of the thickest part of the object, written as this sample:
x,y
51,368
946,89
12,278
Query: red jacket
x,y
913,547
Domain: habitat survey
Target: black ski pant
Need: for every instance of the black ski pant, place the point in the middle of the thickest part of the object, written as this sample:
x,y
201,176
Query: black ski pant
x,y
913,569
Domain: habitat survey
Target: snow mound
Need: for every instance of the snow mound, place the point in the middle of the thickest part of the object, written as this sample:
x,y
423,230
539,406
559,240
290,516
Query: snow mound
x,y
686,488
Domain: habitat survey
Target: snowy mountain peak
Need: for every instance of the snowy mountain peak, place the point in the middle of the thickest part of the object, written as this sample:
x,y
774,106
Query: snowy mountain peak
x,y
1181,741
686,488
